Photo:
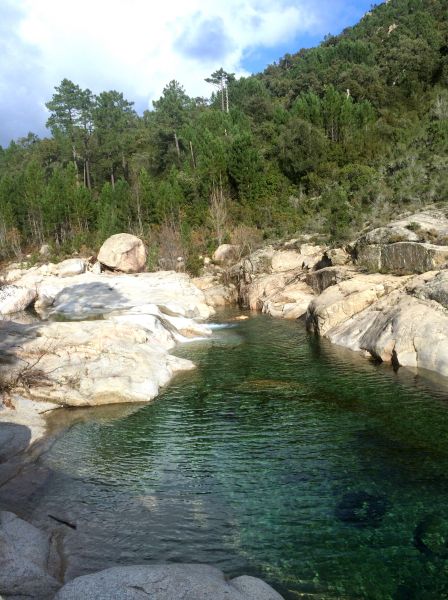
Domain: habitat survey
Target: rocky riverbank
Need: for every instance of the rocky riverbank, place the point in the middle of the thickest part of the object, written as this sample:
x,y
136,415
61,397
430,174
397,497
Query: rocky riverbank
x,y
385,294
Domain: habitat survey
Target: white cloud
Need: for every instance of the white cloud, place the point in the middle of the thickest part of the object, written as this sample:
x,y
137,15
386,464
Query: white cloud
x,y
138,46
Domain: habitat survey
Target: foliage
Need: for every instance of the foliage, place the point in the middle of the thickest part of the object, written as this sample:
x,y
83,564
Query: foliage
x,y
324,140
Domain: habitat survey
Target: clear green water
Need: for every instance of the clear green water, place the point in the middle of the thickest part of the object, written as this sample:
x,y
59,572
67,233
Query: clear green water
x,y
249,462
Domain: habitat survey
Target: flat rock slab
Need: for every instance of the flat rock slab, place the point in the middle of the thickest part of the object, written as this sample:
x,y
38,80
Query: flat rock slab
x,y
165,582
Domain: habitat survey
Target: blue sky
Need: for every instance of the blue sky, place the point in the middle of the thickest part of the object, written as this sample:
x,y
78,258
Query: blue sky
x,y
336,15
137,46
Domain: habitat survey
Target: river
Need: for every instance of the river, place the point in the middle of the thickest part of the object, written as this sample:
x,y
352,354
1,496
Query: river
x,y
280,456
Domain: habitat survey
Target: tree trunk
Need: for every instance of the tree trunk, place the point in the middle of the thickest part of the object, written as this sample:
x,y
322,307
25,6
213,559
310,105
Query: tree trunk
x,y
176,141
192,155
89,184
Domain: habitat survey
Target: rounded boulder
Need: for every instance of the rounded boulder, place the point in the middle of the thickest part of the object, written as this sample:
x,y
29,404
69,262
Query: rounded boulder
x,y
123,252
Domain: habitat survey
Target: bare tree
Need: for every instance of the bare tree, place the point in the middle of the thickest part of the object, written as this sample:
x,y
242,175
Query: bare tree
x,y
218,213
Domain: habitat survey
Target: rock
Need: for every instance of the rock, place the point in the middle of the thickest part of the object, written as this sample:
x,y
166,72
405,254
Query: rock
x,y
403,258
409,257
45,250
338,257
123,252
24,552
408,333
257,263
253,588
431,536
306,258
70,267
289,303
120,358
14,298
226,253
323,278
165,582
389,235
95,362
433,286
286,260
88,295
221,295
96,268
361,509
432,221
254,294
399,327
216,293
369,257
341,301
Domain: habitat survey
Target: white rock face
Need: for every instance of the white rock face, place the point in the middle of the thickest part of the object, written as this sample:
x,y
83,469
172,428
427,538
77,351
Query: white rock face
x,y
165,582
123,252
15,298
122,357
24,552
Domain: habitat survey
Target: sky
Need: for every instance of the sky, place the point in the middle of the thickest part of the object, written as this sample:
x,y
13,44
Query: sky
x,y
138,46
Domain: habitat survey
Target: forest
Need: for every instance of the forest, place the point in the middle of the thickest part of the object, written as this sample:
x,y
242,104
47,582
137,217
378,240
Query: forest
x,y
324,141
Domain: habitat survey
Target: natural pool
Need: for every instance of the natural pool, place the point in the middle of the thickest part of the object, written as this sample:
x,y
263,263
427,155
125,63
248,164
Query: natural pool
x,y
280,456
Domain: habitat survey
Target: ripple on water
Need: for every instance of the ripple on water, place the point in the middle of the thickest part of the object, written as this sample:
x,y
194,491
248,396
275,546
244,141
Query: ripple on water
x,y
249,461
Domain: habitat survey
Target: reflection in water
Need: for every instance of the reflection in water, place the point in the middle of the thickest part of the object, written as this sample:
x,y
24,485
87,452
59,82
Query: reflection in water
x,y
281,456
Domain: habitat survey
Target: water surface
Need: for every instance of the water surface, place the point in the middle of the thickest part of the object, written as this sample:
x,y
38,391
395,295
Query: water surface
x,y
281,456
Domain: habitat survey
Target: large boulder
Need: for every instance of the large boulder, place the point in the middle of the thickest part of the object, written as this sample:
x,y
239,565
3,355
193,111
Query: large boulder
x,y
24,554
14,298
165,582
123,252
226,253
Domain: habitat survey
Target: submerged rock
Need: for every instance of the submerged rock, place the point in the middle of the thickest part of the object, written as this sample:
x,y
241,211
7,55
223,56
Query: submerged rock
x,y
165,582
431,536
361,509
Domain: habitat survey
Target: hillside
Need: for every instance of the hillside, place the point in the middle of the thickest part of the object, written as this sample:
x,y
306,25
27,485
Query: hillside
x,y
352,131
